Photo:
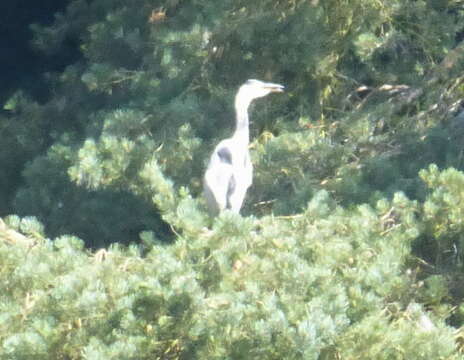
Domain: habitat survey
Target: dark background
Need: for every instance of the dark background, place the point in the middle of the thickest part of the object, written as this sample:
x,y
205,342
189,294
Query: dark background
x,y
21,66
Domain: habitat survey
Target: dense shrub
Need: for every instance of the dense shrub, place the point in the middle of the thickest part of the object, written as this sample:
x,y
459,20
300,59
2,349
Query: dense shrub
x,y
350,245
328,283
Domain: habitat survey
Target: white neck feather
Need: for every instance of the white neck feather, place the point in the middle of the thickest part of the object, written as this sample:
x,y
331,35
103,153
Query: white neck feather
x,y
242,102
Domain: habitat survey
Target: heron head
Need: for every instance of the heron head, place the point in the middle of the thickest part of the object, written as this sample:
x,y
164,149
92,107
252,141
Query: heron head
x,y
253,89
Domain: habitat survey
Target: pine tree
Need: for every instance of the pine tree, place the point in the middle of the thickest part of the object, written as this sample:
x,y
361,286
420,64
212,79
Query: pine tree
x,y
350,242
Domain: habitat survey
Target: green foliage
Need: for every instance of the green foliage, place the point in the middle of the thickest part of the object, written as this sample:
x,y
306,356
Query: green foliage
x,y
329,283
158,78
428,341
443,213
351,241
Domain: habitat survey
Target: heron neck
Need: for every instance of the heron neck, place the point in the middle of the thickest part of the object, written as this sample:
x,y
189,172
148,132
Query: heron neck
x,y
242,124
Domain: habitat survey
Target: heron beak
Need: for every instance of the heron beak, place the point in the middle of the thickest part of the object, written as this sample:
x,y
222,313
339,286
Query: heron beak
x,y
275,87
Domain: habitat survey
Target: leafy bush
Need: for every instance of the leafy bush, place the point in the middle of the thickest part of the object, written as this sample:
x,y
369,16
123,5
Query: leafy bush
x,y
327,283
350,245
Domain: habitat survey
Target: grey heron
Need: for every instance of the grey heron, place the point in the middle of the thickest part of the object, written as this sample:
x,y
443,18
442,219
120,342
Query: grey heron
x,y
229,172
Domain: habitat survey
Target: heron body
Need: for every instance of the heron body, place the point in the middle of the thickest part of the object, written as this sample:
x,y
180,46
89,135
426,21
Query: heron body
x,y
230,171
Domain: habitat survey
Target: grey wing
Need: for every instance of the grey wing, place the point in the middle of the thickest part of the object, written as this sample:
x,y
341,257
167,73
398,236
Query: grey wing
x,y
219,182
225,155
230,190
